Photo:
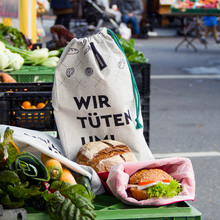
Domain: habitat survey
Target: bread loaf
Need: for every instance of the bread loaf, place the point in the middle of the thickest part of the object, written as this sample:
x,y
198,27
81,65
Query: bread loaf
x,y
102,155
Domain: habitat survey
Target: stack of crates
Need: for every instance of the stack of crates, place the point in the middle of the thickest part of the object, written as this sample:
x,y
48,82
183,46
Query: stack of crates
x,y
12,95
141,72
28,88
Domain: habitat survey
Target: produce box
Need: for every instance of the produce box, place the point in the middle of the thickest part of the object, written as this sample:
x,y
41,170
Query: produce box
x,y
29,74
196,6
12,95
141,73
183,6
206,6
109,207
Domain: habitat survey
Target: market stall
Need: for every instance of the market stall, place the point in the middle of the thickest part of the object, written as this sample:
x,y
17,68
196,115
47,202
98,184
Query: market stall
x,y
43,178
192,12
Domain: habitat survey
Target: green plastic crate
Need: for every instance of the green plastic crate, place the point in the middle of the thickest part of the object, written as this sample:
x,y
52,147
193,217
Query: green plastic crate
x,y
34,74
109,207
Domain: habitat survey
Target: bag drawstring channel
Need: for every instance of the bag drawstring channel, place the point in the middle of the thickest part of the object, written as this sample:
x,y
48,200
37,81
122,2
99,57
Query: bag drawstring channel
x,y
134,85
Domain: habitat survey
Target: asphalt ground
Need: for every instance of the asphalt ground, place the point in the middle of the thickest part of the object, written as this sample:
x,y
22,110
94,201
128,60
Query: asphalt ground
x,y
184,109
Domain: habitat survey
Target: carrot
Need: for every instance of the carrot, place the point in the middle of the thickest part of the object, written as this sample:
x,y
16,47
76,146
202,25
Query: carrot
x,y
44,158
67,176
6,78
53,166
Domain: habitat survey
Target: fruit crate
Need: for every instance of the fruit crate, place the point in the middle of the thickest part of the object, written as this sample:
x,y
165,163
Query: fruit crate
x,y
12,113
28,74
108,207
196,8
177,7
141,72
206,10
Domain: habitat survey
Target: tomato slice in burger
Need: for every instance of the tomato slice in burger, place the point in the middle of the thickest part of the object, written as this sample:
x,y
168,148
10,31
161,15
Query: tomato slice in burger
x,y
149,182
146,182
166,181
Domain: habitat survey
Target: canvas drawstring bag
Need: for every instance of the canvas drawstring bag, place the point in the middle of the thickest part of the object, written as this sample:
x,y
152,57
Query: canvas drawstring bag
x,y
95,96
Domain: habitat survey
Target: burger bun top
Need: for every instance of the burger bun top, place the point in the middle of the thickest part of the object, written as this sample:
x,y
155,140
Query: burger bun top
x,y
145,175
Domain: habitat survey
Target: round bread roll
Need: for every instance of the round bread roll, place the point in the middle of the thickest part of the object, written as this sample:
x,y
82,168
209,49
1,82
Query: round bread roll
x,y
102,155
146,175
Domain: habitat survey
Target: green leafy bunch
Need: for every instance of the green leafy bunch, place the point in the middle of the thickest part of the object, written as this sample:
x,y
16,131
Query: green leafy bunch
x,y
133,56
21,173
24,180
8,150
12,35
69,202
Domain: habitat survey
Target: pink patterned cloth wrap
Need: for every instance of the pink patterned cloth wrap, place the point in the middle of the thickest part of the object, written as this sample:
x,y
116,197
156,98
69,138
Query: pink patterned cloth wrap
x,y
179,168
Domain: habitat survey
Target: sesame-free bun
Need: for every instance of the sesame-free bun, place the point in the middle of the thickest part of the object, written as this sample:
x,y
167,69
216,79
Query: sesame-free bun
x,y
146,175
102,155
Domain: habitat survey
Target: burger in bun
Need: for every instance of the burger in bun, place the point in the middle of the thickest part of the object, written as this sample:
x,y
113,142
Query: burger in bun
x,y
148,183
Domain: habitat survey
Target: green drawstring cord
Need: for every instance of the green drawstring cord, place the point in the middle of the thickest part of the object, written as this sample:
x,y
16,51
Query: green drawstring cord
x,y
135,88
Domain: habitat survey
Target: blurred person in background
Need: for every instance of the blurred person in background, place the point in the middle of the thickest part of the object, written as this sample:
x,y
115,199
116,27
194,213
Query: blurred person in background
x,y
210,27
132,11
111,8
63,11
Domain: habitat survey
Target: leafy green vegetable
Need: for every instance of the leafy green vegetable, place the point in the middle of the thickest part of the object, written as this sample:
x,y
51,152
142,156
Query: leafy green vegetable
x,y
8,150
4,61
167,190
35,57
2,46
30,166
12,192
12,36
24,185
133,56
61,50
16,61
51,62
84,180
54,53
36,203
69,202
8,177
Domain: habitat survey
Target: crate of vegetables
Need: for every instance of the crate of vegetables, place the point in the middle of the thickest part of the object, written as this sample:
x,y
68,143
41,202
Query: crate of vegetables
x,y
27,105
207,6
183,6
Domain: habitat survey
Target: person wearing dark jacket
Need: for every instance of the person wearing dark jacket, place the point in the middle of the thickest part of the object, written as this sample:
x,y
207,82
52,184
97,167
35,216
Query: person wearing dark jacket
x,y
63,11
131,13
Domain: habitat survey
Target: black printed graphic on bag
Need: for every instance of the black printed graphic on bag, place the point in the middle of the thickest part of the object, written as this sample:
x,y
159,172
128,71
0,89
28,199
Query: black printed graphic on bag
x,y
94,120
